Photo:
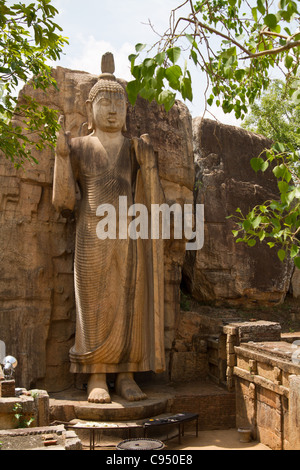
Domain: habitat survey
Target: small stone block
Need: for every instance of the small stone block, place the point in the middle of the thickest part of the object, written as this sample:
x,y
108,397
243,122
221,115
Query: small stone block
x,y
53,442
7,388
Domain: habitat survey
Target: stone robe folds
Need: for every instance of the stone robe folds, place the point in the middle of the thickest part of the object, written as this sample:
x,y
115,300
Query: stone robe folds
x,y
119,284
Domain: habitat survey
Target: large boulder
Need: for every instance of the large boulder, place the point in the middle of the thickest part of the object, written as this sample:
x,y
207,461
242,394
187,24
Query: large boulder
x,y
224,272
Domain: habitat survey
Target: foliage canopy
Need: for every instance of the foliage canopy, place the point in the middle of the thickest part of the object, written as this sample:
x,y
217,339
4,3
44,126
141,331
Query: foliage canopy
x,y
275,115
238,45
29,37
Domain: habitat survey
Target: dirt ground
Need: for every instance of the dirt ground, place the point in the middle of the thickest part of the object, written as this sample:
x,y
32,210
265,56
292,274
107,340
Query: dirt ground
x,y
214,440
207,440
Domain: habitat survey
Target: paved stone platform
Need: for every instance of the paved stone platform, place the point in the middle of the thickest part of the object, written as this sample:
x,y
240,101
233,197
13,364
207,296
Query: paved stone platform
x,y
72,404
214,404
42,438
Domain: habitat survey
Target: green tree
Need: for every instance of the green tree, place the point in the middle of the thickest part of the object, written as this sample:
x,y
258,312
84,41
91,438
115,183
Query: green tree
x,y
275,115
29,38
234,43
238,45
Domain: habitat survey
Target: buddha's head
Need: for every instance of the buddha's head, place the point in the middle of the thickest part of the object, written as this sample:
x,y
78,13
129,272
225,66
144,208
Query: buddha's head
x,y
107,103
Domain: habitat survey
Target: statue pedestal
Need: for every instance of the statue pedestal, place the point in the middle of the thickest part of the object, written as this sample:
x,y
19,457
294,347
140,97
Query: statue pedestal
x,y
7,388
67,406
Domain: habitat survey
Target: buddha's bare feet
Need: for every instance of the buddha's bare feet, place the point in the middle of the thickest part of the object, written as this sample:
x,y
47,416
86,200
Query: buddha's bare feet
x,y
127,388
97,389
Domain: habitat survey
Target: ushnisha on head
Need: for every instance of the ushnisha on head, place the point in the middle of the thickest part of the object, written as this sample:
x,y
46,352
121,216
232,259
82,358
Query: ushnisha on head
x,y
107,102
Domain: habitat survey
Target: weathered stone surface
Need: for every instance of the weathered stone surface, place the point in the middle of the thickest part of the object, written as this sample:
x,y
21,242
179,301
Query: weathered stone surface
x,y
7,388
189,355
8,411
267,392
171,136
295,283
188,366
294,413
257,331
37,305
40,438
224,272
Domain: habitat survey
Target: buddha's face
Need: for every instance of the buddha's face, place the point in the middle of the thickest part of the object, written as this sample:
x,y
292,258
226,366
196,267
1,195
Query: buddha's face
x,y
109,111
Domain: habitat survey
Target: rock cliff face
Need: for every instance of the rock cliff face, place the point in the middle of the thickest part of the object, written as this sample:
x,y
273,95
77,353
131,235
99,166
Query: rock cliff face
x,y
37,306
224,272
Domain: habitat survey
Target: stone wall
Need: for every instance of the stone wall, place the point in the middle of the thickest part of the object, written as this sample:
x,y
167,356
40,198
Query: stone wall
x,y
257,367
268,393
28,409
189,359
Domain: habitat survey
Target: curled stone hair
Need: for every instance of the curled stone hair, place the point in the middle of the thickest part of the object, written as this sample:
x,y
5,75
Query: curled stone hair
x,y
111,86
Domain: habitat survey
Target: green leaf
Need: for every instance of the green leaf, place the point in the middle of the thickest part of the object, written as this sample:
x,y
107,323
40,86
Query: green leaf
x,y
281,255
294,251
160,58
167,98
257,163
194,57
256,222
210,100
246,225
192,40
140,47
296,97
174,54
297,262
288,61
271,21
173,74
281,171
239,74
283,186
148,94
186,89
251,242
133,89
260,7
279,147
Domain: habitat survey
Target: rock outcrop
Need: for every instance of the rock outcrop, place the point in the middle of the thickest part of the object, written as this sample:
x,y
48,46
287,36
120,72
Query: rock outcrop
x,y
224,272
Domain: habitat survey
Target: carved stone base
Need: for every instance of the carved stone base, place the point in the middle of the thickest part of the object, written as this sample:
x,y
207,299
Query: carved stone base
x,y
77,407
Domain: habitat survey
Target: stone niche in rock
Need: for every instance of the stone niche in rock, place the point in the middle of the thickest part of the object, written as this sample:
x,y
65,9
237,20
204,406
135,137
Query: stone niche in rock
x,y
37,305
223,272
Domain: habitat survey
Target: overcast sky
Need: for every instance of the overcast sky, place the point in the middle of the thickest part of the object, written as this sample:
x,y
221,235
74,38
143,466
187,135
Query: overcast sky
x,y
98,26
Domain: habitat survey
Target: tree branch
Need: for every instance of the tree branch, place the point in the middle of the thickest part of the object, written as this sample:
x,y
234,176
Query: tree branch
x,y
214,31
275,51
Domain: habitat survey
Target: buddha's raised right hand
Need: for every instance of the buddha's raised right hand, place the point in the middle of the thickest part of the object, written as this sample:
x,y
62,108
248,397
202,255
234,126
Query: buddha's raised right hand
x,y
144,152
63,146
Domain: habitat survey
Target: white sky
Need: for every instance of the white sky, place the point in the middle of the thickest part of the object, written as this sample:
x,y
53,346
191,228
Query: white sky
x,y
98,26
